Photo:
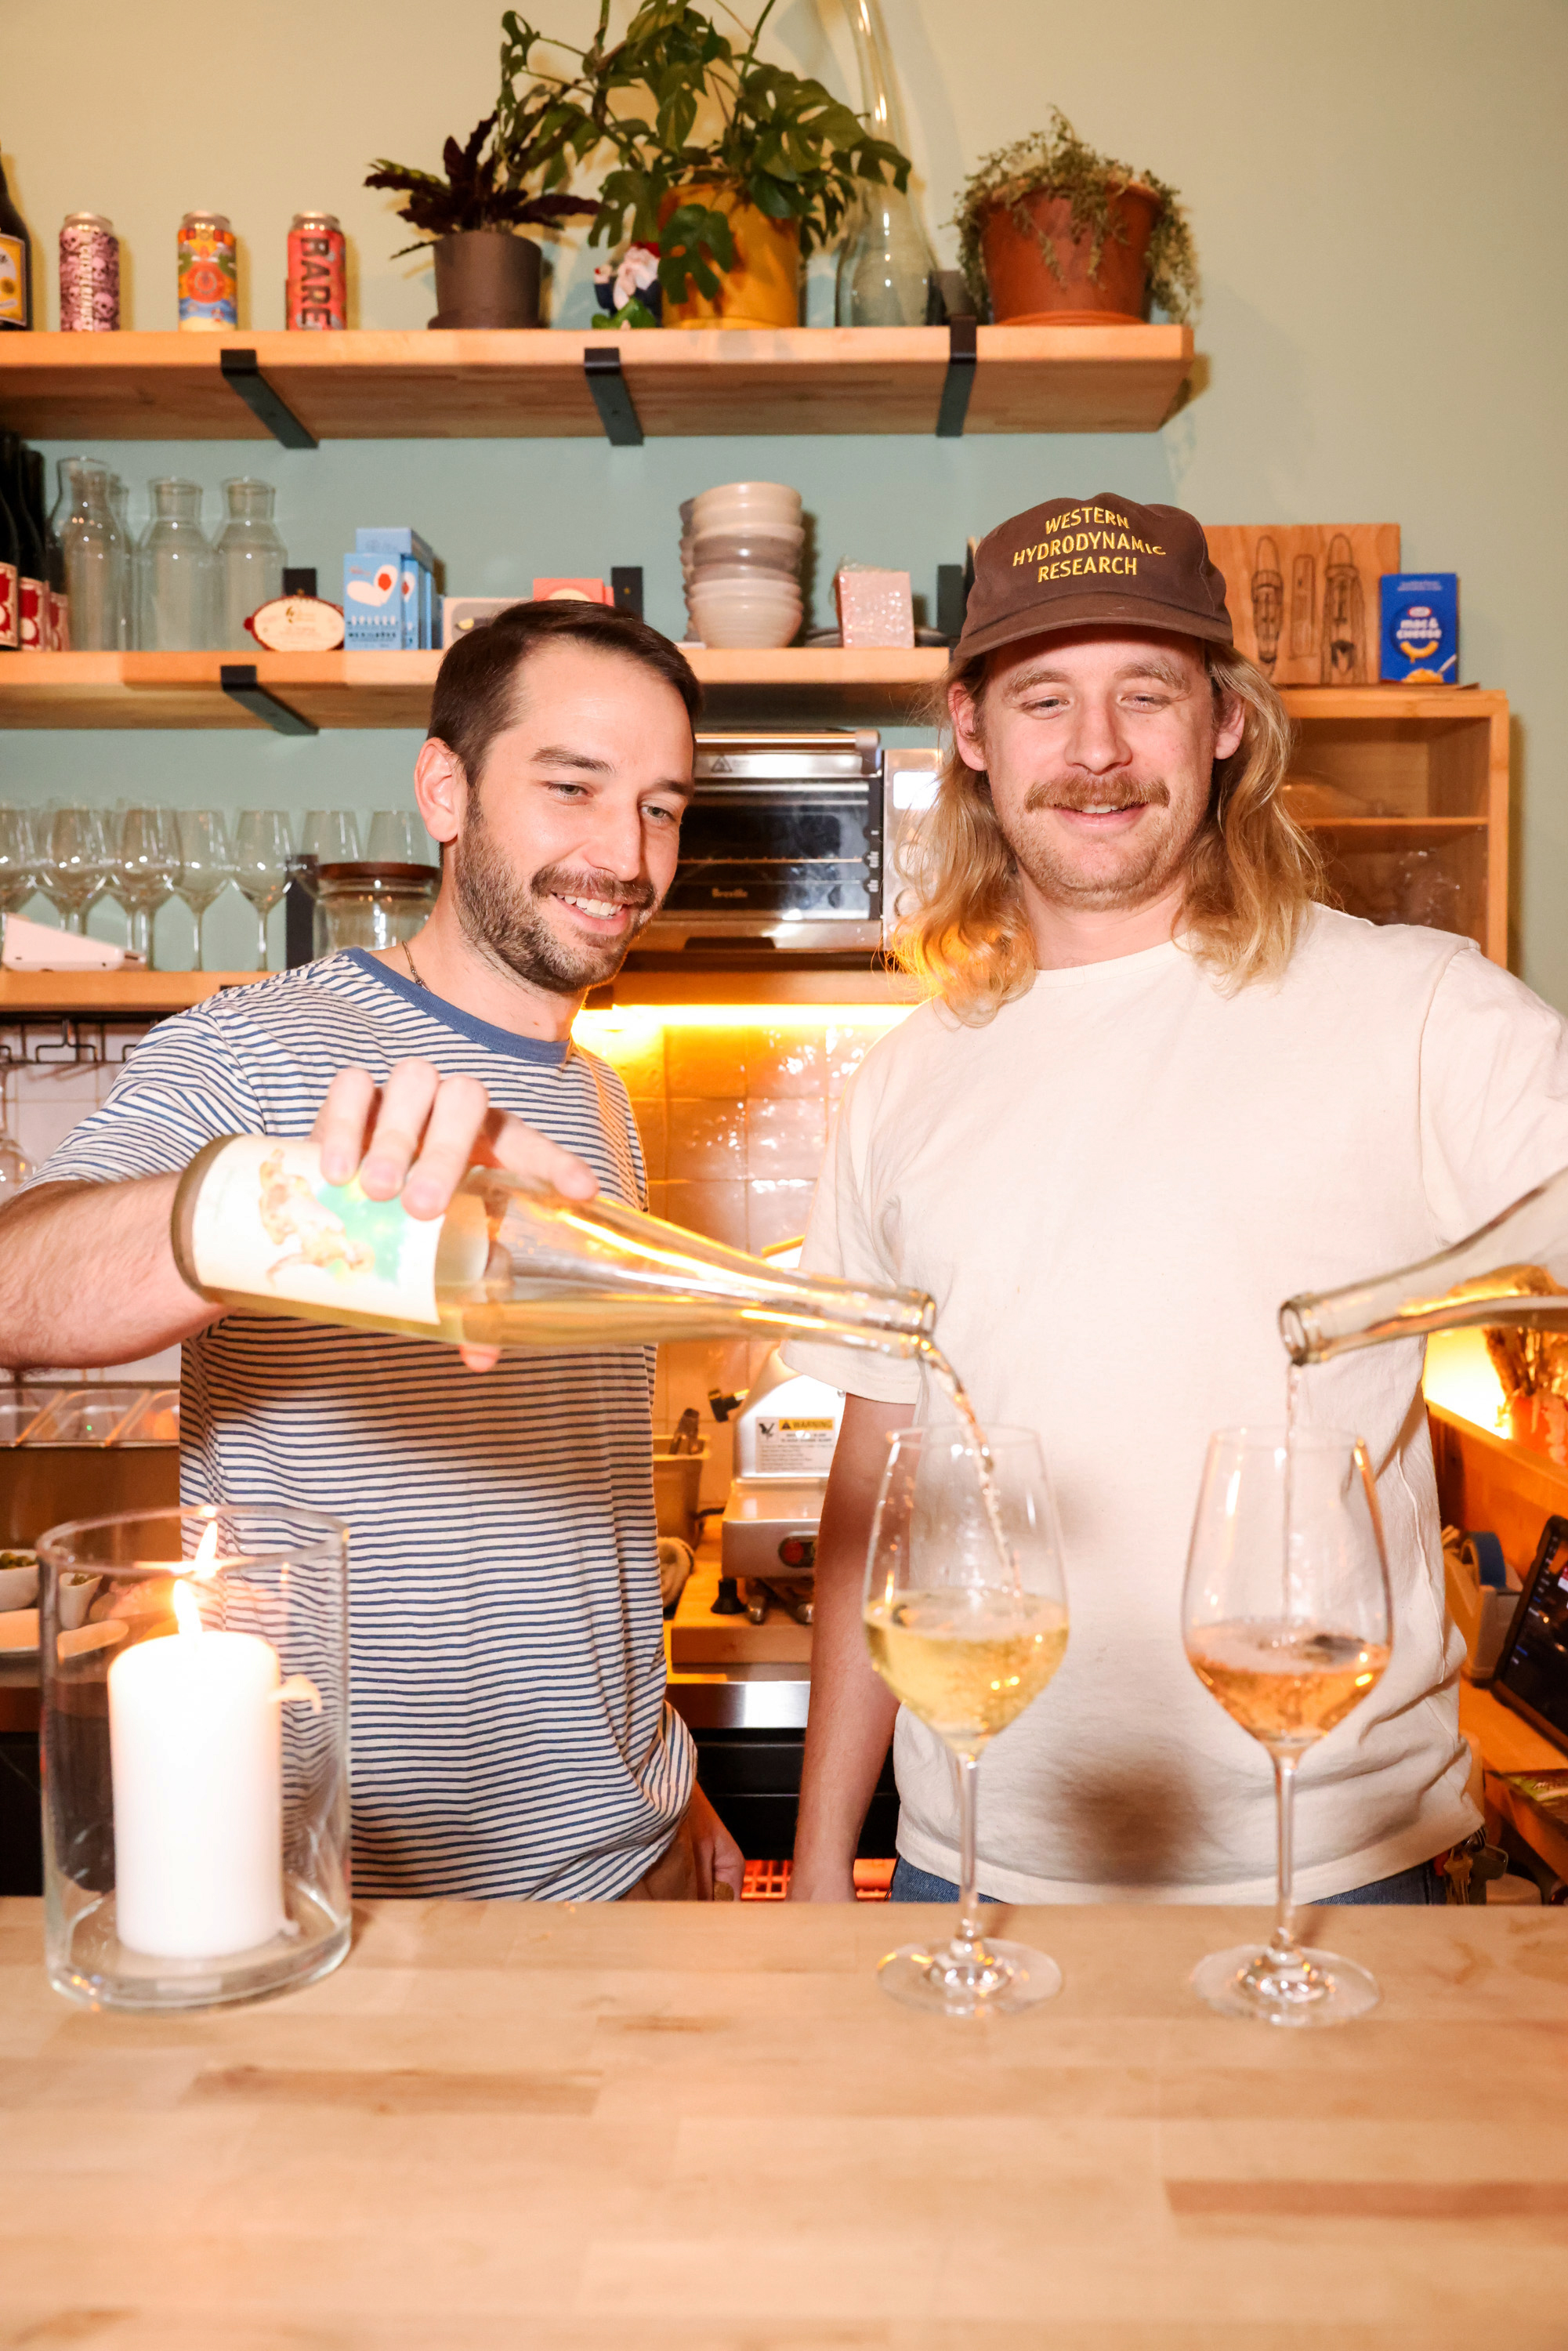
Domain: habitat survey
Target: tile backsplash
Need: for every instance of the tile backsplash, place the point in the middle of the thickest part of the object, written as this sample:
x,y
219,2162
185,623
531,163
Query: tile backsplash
x,y
732,1107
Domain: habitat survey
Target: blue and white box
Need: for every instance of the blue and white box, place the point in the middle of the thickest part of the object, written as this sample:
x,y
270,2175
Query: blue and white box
x,y
372,603
1420,628
419,572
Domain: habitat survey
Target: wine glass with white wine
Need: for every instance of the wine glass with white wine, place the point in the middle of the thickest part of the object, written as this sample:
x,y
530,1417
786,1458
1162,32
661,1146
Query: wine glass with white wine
x,y
965,1619
1288,1623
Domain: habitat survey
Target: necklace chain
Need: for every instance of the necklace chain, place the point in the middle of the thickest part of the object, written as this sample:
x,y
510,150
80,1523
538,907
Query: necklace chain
x,y
413,966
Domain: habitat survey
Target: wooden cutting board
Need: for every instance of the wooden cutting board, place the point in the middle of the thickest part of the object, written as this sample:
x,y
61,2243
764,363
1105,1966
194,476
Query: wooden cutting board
x,y
1304,597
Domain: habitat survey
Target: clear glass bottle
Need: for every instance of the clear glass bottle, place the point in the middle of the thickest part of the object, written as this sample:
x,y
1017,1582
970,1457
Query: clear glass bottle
x,y
176,572
95,557
512,1264
885,262
251,557
1513,1273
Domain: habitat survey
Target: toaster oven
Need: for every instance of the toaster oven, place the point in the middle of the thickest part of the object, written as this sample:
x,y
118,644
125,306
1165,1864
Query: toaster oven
x,y
781,845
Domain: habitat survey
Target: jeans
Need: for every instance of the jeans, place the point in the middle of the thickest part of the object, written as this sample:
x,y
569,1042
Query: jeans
x,y
1406,1886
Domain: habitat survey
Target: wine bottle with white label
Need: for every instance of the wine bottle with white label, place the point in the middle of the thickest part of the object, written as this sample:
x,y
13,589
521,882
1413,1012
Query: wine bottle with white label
x,y
256,1227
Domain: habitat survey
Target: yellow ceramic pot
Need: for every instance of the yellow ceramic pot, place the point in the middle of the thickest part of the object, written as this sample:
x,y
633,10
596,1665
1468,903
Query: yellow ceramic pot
x,y
763,289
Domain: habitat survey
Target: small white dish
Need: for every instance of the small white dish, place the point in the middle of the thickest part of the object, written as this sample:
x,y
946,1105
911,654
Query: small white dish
x,y
18,1580
18,1633
75,1598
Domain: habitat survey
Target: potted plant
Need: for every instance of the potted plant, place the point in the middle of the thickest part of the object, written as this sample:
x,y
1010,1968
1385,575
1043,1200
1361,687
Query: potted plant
x,y
485,274
1051,233
732,210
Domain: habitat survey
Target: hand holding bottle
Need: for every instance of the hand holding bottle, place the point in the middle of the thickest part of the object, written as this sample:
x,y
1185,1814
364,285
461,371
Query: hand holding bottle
x,y
418,1135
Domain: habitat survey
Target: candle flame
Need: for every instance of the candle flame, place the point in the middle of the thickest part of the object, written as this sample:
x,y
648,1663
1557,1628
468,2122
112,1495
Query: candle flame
x,y
187,1615
201,1570
204,1565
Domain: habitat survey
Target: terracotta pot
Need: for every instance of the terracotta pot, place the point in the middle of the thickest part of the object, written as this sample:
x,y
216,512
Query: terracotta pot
x,y
486,277
763,289
1026,292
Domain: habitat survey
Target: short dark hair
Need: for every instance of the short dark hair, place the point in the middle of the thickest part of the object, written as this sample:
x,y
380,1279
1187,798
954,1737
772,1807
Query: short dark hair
x,y
475,699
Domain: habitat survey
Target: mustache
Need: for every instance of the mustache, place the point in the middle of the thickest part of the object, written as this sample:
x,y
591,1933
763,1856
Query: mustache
x,y
1084,791
585,882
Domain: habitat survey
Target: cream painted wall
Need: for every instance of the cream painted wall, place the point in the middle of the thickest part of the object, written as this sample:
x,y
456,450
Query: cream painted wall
x,y
1378,193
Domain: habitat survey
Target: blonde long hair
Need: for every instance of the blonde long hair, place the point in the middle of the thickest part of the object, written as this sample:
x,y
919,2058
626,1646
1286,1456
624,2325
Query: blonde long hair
x,y
1252,877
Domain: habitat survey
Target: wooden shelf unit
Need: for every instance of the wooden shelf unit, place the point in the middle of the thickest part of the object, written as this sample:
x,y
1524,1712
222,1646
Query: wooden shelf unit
x,y
531,384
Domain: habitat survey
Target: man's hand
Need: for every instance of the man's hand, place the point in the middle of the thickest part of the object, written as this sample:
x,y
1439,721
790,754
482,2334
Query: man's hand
x,y
719,1859
421,1132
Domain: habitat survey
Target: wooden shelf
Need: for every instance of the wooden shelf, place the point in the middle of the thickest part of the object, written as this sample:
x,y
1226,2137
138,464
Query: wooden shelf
x,y
369,386
386,689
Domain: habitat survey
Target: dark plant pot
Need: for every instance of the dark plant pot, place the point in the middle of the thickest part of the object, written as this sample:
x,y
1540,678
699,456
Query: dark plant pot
x,y
1026,292
486,277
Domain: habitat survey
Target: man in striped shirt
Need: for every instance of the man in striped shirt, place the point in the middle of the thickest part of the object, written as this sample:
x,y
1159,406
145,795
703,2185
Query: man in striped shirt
x,y
511,1733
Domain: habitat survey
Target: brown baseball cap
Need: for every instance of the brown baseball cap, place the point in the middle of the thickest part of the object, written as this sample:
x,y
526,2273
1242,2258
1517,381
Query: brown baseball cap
x,y
1101,559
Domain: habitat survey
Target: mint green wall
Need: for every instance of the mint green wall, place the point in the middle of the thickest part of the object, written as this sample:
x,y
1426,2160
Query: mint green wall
x,y
1379,195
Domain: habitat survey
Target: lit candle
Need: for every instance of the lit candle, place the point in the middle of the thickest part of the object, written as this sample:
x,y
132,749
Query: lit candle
x,y
197,1755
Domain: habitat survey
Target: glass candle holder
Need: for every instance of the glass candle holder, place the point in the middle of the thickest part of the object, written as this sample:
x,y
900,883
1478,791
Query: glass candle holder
x,y
193,1665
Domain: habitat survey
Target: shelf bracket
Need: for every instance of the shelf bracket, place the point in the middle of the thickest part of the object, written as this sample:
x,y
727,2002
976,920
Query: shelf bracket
x,y
243,374
963,352
238,680
612,397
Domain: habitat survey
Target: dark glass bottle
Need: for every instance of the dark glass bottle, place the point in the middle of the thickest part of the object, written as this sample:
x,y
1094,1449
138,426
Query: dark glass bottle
x,y
10,558
32,564
16,265
57,637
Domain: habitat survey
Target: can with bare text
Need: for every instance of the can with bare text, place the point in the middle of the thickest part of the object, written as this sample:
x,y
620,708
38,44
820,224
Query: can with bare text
x,y
314,297
89,276
209,285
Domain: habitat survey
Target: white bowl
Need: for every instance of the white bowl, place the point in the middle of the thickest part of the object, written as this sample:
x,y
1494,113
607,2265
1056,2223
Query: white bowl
x,y
769,550
746,579
18,1586
736,625
747,501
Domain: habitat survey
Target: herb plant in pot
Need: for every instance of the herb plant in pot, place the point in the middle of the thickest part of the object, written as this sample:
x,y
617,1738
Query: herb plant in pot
x,y
1053,234
732,210
485,274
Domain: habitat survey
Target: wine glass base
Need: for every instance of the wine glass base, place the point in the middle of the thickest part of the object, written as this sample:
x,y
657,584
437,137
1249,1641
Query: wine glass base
x,y
969,1979
1249,1981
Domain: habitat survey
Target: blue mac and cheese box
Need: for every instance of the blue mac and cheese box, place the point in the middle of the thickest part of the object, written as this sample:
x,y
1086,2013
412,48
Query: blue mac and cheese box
x,y
1420,628
372,602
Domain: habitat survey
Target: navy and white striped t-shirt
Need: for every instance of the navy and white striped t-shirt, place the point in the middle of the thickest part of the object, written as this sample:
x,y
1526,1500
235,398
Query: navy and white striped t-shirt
x,y
510,1733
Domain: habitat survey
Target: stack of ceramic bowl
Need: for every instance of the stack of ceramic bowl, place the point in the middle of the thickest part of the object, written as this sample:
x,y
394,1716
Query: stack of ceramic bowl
x,y
740,558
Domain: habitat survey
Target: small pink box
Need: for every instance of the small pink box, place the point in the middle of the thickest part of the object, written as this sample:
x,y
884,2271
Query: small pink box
x,y
875,608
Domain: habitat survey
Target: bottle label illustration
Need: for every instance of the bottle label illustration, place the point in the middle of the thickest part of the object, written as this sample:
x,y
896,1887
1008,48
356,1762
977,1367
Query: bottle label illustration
x,y
268,1225
32,615
209,285
13,281
8,629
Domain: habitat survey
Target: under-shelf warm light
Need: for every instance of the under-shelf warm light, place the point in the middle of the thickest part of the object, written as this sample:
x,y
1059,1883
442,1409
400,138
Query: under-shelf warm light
x,y
599,1030
1460,1378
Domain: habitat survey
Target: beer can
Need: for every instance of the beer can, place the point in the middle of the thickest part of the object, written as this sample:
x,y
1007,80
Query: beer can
x,y
89,276
209,289
314,296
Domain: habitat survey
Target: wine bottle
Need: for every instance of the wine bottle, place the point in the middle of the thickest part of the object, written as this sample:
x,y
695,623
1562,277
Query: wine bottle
x,y
53,559
1511,1273
32,576
10,568
255,1226
16,265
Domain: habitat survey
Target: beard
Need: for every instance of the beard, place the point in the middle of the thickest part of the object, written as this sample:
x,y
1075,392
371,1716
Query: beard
x,y
1111,873
508,921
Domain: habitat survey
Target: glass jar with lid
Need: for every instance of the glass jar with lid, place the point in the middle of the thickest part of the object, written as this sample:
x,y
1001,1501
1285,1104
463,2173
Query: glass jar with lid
x,y
364,904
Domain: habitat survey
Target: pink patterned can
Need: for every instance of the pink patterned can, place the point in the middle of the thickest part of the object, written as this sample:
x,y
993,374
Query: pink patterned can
x,y
89,276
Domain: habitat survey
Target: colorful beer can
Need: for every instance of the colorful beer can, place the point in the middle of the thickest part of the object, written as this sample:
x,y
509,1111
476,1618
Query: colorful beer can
x,y
314,297
89,276
209,286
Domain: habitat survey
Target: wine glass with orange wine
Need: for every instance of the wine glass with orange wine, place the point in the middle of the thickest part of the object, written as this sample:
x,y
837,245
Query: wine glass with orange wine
x,y
965,1619
1287,1621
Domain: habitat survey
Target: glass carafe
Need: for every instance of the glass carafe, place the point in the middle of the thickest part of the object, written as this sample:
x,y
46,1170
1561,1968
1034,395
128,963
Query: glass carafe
x,y
1511,1273
95,557
251,557
176,572
884,263
255,1226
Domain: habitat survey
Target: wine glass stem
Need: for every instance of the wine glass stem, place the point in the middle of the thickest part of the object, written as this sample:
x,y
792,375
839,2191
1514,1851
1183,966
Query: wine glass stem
x,y
138,932
1282,1942
261,950
968,1932
196,918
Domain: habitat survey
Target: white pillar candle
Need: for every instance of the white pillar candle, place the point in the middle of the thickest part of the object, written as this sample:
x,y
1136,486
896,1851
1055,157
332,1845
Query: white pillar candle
x,y
196,1754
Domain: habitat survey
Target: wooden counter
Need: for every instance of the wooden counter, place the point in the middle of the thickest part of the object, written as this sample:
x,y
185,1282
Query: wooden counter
x,y
603,2127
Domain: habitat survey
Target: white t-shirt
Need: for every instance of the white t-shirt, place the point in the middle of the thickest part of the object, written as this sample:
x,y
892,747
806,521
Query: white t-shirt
x,y
1108,1191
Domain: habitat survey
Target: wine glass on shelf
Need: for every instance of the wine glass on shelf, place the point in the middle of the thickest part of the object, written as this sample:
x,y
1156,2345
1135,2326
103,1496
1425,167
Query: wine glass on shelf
x,y
1288,1623
18,859
331,836
262,850
146,869
206,864
398,838
965,1619
74,862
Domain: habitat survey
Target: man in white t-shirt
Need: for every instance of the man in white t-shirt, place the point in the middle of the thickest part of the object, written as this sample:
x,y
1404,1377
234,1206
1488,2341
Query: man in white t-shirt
x,y
1156,1090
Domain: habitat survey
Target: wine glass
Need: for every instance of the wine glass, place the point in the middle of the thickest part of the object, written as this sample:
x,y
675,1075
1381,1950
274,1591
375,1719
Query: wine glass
x,y
262,851
398,838
206,864
1288,1623
18,859
331,836
146,868
965,1619
74,862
